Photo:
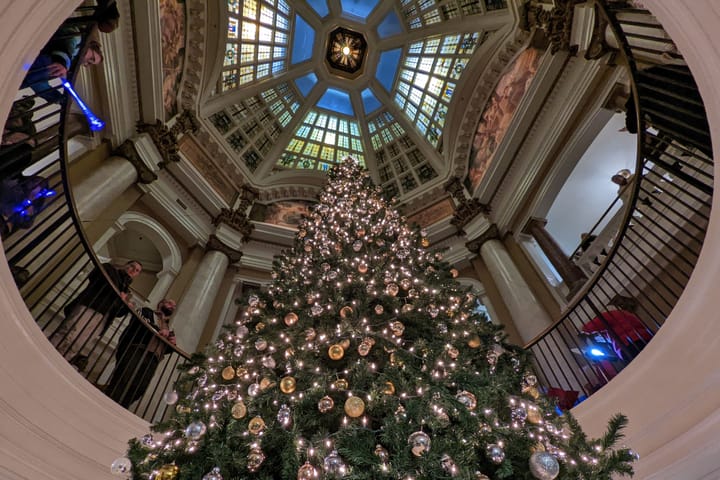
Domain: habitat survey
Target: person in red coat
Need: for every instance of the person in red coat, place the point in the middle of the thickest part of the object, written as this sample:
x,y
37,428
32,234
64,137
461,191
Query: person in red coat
x,y
627,334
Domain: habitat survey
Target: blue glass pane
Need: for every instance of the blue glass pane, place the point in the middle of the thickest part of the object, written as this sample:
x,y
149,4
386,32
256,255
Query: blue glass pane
x,y
390,26
303,41
370,101
358,8
306,83
337,101
320,6
387,67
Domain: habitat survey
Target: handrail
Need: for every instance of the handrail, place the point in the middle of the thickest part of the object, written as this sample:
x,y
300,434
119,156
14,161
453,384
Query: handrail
x,y
52,259
658,243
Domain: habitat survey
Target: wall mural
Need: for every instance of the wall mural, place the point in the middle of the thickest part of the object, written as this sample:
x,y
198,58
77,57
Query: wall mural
x,y
172,30
433,214
285,214
499,112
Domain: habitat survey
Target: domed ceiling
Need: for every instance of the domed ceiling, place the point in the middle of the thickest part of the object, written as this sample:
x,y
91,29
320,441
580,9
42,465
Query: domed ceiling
x,y
309,82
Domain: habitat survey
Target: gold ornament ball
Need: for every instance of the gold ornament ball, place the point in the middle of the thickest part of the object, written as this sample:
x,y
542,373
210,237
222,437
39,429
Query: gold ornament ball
x,y
167,472
228,373
325,404
379,309
287,385
392,289
397,328
395,360
534,415
454,272
336,352
266,383
363,268
360,232
346,311
307,472
241,371
407,308
341,384
354,407
239,410
182,409
364,348
256,425
259,327
389,388
453,352
291,319
474,342
425,242
532,391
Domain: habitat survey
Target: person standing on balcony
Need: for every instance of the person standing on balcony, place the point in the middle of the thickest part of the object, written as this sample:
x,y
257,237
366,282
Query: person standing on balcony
x,y
627,334
139,352
93,310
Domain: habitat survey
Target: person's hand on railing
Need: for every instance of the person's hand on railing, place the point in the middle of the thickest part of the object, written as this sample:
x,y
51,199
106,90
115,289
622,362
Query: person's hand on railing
x,y
57,70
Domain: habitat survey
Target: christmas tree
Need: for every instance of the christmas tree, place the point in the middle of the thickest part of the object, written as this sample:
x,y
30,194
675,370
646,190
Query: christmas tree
x,y
365,359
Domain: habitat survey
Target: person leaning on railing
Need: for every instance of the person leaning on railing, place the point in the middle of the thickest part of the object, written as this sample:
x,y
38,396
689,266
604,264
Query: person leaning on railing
x,y
93,310
139,353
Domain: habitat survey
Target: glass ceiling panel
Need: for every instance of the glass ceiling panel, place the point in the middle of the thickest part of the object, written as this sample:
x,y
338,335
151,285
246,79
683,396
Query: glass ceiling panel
x,y
303,41
322,140
421,13
390,25
387,67
428,76
320,6
370,101
252,126
358,8
257,41
306,83
336,100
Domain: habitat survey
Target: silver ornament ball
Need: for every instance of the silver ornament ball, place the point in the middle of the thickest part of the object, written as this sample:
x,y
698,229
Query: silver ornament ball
x,y
544,466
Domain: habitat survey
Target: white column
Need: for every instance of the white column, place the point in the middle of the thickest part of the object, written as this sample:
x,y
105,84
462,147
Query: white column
x,y
230,307
165,279
106,183
194,307
528,315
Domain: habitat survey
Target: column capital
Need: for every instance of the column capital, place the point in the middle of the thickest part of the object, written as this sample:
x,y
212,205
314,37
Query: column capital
x,y
466,209
492,233
236,219
555,20
214,243
534,223
128,151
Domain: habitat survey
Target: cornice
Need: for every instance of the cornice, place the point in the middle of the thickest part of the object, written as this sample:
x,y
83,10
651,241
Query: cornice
x,y
216,244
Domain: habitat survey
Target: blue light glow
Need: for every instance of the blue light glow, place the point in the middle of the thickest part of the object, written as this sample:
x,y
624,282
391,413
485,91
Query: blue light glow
x,y
320,6
596,352
303,41
306,83
387,67
370,101
336,100
359,8
390,26
95,123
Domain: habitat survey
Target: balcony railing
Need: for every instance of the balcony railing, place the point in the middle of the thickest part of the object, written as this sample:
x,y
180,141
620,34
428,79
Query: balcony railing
x,y
641,262
65,287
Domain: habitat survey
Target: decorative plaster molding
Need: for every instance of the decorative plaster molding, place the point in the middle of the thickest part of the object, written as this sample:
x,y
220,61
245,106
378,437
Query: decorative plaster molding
x,y
287,192
128,151
236,219
214,243
476,244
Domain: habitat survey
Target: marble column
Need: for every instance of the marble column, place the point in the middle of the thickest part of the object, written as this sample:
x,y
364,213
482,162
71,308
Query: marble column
x,y
230,306
196,303
571,274
107,182
528,315
165,278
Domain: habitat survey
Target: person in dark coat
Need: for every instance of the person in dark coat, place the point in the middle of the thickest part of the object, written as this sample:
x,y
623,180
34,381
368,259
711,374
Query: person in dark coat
x,y
139,353
94,309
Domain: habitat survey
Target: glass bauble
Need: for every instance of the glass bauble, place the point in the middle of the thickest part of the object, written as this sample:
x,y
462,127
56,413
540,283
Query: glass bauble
x,y
310,334
467,399
419,443
346,311
481,476
334,466
121,466
325,404
242,331
195,430
354,407
544,466
256,425
171,398
454,272
407,308
284,416
405,283
261,344
291,319
254,389
287,384
345,343
268,362
213,474
397,328
239,410
389,388
453,352
379,309
340,384
259,327
364,348
474,341
147,440
228,373
382,453
392,289
495,453
448,464
316,309
307,472
336,352
363,267
433,311
253,300
255,458
357,245
266,383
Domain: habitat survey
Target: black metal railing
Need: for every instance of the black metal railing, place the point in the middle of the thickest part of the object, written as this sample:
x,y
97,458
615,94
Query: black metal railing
x,y
73,297
648,257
